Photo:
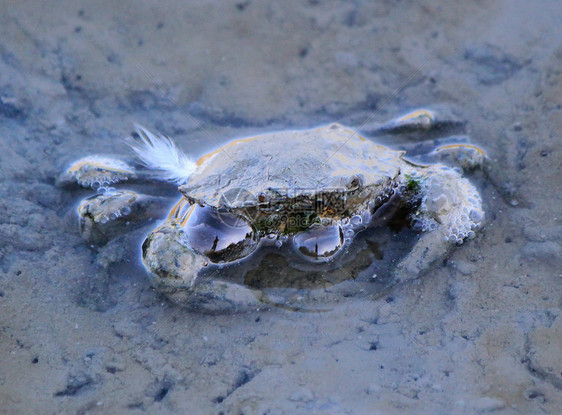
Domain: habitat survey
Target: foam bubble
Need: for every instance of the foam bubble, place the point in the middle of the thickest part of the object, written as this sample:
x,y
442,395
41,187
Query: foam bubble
x,y
356,220
417,225
476,215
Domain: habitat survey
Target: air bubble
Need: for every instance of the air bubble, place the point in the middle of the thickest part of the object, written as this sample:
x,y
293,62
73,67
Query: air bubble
x,y
366,218
417,225
356,220
113,216
220,235
96,184
348,234
452,239
125,211
103,219
319,242
475,215
278,243
470,235
326,221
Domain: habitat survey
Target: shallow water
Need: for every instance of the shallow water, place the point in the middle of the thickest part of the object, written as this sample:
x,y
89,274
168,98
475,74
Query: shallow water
x,y
83,332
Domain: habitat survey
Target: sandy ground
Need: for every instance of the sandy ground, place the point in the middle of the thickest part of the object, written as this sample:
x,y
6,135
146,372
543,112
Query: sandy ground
x,y
482,333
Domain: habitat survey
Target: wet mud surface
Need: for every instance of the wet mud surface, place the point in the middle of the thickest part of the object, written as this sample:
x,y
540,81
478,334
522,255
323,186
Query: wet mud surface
x,y
82,331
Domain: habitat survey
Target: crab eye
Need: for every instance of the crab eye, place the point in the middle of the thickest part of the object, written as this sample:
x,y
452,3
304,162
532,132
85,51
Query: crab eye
x,y
319,242
220,235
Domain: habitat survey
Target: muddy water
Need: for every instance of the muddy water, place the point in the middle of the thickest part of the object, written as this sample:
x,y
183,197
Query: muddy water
x,y
83,332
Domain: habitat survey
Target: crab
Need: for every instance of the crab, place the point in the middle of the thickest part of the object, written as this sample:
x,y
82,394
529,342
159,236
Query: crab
x,y
302,195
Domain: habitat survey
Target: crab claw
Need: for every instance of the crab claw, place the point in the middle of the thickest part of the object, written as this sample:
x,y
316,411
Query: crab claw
x,y
105,215
182,275
449,213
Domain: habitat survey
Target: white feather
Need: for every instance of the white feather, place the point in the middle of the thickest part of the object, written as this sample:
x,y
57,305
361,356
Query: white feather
x,y
158,152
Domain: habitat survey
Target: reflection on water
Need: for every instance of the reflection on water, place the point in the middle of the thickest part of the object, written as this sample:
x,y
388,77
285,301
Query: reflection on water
x,y
219,235
303,265
319,242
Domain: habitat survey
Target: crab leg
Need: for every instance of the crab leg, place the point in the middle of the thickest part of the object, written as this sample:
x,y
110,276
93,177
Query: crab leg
x,y
421,119
103,216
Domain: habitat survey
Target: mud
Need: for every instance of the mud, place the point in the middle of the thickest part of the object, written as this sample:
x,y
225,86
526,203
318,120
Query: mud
x,y
480,333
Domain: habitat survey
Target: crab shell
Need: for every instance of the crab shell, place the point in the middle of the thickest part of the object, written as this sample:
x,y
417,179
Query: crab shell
x,y
296,168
